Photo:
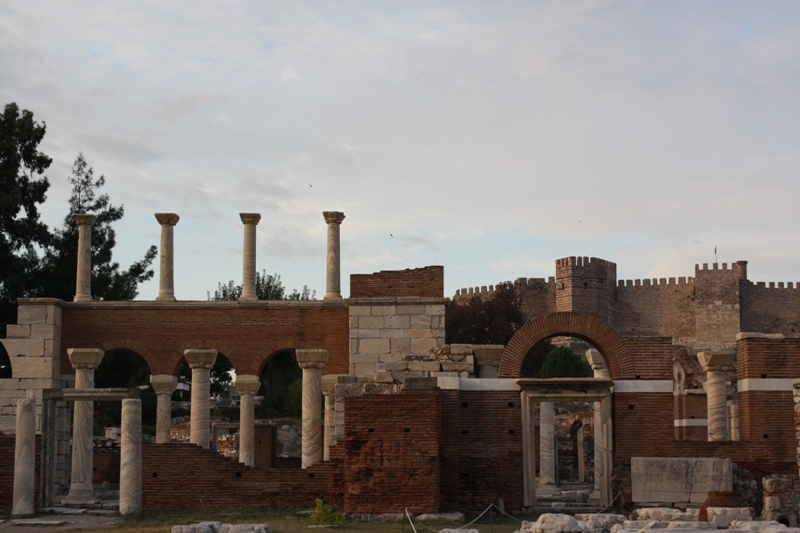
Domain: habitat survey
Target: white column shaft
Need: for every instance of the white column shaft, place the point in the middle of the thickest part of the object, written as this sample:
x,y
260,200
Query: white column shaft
x,y
247,438
164,419
130,469
547,464
83,278
717,406
24,458
166,277
200,424
333,290
250,220
81,488
312,416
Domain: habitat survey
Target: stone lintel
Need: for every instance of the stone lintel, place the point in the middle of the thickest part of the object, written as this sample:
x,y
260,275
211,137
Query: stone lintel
x,y
716,361
247,383
98,395
85,357
200,358
316,358
163,383
753,335
167,218
488,354
250,218
566,389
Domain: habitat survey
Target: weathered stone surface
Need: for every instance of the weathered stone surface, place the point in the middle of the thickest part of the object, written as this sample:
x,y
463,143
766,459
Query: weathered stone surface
x,y
678,480
556,523
410,384
601,521
24,458
130,472
724,516
777,483
424,366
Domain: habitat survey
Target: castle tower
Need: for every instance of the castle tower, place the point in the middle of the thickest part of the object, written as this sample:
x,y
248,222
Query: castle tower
x,y
717,298
586,285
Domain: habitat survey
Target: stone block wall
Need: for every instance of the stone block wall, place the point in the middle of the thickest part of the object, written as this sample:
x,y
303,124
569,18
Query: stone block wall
x,y
586,285
387,329
770,309
655,307
717,316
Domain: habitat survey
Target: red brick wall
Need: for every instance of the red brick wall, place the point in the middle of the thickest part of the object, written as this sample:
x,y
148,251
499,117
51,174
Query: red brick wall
x,y
105,467
427,282
247,335
8,445
768,358
392,453
184,476
481,449
652,357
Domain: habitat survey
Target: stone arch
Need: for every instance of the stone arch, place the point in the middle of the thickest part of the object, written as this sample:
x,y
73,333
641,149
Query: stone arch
x,y
580,325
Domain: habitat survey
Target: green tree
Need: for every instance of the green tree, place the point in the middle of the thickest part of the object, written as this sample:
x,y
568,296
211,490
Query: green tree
x,y
282,378
23,187
268,287
564,363
59,265
485,320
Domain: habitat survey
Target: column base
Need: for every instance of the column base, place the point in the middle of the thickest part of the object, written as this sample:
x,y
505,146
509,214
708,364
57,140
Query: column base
x,y
333,296
80,496
166,298
82,298
244,298
548,489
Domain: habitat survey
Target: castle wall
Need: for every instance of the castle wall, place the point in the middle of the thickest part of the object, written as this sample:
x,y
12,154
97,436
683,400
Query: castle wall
x,y
770,309
538,296
586,285
716,303
658,307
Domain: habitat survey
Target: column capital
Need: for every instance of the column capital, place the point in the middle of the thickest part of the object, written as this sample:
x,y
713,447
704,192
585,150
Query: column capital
x,y
163,383
200,358
333,217
250,218
85,357
716,361
247,383
82,219
488,354
167,218
312,358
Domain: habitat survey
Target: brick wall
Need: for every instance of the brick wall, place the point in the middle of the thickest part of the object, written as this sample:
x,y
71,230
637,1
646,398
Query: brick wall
x,y
247,334
427,282
8,444
392,453
183,476
652,357
105,467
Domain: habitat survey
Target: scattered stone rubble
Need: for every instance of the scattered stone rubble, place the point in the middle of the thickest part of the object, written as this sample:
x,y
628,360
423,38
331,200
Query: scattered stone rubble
x,y
444,360
219,527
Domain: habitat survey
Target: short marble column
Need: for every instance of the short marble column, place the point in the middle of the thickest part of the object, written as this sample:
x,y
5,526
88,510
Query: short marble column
x,y
163,385
24,457
250,221
547,456
85,362
83,279
333,290
312,362
166,277
130,458
247,385
201,362
598,364
715,364
487,359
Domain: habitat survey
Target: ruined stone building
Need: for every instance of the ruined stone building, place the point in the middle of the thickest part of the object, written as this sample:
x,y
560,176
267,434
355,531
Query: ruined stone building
x,y
696,370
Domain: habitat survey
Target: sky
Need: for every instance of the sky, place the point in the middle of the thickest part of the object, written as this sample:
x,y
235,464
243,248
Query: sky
x,y
488,137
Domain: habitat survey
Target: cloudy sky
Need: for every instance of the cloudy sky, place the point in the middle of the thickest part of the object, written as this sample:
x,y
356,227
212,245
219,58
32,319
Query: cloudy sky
x,y
488,137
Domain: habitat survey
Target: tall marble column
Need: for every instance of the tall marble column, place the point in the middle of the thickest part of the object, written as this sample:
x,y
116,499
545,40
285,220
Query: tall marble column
x,y
85,361
130,458
333,290
24,458
166,275
598,364
250,221
547,456
715,364
83,279
201,362
163,385
312,362
247,385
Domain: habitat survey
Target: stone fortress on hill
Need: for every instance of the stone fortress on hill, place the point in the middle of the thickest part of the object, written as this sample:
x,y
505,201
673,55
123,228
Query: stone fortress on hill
x,y
694,387
704,312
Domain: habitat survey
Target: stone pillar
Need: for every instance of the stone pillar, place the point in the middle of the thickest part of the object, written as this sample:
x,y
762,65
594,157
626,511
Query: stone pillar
x,y
333,286
130,458
581,456
547,456
201,362
607,451
329,416
83,280
164,386
487,359
24,457
312,362
600,369
250,221
166,278
85,362
247,385
528,451
715,364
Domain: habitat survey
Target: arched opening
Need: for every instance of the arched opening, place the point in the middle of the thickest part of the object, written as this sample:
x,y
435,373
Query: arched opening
x,y
123,368
5,364
280,410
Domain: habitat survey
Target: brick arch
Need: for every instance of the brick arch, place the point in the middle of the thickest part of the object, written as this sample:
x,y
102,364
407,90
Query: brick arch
x,y
256,364
580,325
112,345
222,347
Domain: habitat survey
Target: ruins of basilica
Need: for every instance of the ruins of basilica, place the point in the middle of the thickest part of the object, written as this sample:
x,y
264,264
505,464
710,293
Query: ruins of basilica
x,y
693,391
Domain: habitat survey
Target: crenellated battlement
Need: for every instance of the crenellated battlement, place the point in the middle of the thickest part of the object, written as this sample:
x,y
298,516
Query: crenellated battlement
x,y
575,261
655,282
791,286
